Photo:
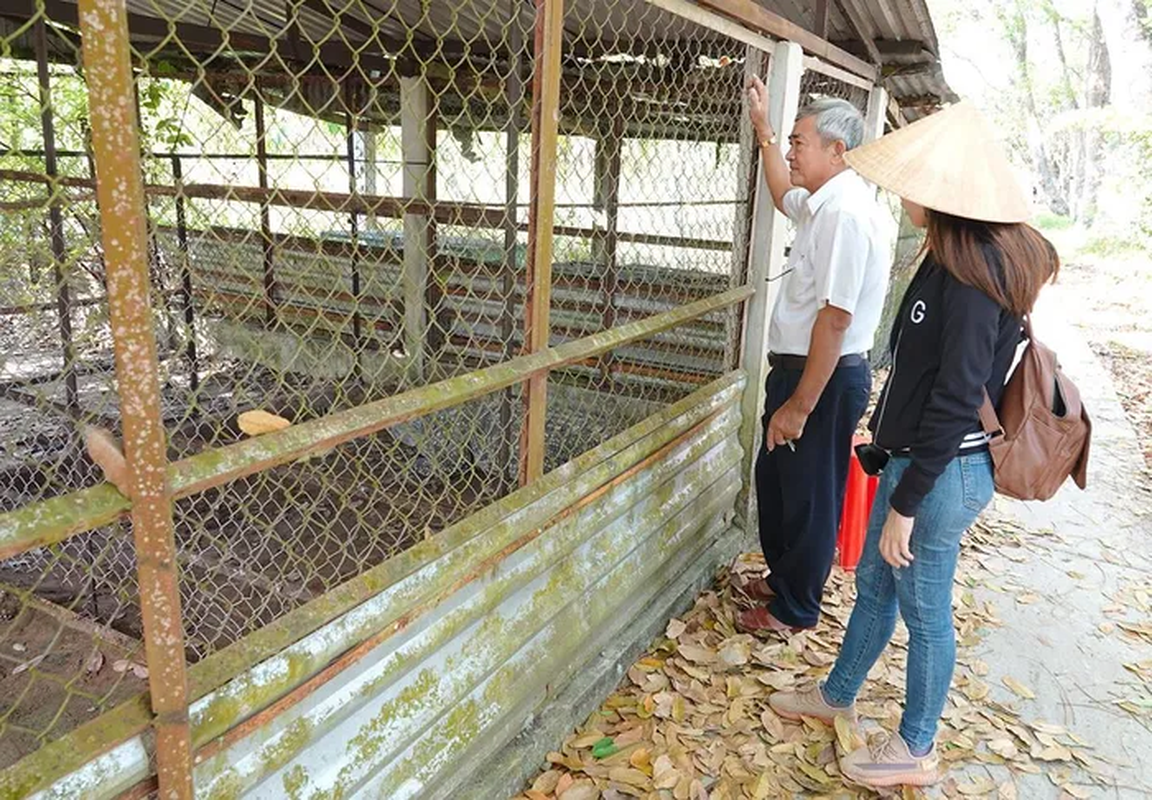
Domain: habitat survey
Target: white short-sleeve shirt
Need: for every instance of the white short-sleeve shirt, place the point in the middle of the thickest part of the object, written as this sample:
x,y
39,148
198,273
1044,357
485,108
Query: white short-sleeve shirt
x,y
841,257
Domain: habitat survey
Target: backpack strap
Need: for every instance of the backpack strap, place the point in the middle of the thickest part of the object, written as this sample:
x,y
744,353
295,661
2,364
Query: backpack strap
x,y
988,418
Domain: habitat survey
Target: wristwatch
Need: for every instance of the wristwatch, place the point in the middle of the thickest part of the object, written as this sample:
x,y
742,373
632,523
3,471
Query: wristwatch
x,y
771,140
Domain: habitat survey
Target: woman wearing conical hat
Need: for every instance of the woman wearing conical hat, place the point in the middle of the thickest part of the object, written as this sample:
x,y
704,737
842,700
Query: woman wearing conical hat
x,y
955,336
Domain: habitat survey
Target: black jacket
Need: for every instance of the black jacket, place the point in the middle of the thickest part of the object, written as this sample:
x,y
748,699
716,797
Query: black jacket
x,y
949,342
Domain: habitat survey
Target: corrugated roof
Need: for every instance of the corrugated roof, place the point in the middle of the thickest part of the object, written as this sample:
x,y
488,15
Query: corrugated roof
x,y
902,29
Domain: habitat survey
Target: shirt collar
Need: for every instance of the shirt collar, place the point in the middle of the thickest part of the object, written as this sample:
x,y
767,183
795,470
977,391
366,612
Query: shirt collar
x,y
836,185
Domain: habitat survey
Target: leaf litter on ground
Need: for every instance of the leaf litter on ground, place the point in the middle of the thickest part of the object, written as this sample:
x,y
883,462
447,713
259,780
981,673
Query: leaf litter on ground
x,y
691,720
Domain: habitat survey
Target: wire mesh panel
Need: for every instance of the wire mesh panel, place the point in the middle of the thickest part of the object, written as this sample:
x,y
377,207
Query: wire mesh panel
x,y
69,616
338,204
815,85
335,217
651,196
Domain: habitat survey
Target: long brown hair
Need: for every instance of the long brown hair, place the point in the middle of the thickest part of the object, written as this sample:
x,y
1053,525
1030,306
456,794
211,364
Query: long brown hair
x,y
1026,259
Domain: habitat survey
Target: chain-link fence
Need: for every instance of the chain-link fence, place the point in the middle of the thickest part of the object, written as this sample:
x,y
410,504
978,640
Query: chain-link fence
x,y
69,613
338,211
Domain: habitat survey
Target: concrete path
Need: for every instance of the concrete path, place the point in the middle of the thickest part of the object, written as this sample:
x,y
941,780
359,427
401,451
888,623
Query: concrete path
x,y
1064,640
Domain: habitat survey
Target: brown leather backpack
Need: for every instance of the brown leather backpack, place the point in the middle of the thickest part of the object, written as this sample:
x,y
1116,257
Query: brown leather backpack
x,y
1042,432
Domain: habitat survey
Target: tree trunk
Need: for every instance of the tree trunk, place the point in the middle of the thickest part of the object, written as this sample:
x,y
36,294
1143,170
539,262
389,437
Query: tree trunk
x,y
1097,95
1014,23
908,244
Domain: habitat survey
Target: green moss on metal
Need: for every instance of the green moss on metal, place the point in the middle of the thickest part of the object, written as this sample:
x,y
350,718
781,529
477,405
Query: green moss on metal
x,y
294,739
227,786
294,782
367,743
245,697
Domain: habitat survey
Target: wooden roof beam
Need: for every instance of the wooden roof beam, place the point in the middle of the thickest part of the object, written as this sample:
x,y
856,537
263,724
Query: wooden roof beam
x,y
754,16
895,115
858,25
895,48
820,26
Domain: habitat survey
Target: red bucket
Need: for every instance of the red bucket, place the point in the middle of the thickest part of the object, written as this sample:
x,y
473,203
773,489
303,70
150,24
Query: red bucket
x,y
858,497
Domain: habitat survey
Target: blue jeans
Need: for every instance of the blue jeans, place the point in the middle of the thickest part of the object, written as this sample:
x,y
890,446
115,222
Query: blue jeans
x,y
922,592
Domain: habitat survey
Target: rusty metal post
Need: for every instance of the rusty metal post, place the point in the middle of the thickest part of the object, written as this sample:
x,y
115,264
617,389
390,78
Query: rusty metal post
x,y
549,41
514,97
186,278
56,222
120,191
606,199
352,113
265,219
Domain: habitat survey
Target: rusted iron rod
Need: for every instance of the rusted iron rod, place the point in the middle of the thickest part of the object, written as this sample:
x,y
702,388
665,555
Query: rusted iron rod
x,y
56,223
188,297
549,42
120,191
351,116
443,211
265,217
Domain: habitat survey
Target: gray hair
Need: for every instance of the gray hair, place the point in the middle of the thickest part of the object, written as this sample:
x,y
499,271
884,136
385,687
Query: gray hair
x,y
836,120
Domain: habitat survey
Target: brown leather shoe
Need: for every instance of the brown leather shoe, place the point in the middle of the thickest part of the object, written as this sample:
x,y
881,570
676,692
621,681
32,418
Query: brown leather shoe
x,y
758,590
759,621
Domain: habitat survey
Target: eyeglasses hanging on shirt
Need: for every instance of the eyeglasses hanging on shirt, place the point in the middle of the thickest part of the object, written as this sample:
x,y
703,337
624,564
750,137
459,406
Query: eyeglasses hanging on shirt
x,y
774,278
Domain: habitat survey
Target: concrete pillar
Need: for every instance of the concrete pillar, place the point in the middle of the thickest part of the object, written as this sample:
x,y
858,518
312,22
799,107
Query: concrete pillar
x,y
876,112
417,142
366,150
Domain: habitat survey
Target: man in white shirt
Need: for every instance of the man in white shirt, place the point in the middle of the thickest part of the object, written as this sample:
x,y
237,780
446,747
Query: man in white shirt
x,y
829,306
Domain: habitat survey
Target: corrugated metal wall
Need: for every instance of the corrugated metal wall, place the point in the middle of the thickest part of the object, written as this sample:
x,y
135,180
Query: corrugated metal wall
x,y
471,632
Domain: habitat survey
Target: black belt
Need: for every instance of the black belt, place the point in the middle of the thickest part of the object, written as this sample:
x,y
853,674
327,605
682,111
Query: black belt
x,y
777,361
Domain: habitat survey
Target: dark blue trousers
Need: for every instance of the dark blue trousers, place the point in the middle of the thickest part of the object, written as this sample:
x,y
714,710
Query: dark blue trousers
x,y
800,494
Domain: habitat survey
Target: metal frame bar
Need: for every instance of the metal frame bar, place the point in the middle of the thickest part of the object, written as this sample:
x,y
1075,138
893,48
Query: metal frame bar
x,y
56,221
549,42
188,295
351,104
443,211
116,144
756,17
824,68
265,215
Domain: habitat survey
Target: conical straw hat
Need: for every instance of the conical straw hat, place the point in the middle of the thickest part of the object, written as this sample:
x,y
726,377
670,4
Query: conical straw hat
x,y
950,161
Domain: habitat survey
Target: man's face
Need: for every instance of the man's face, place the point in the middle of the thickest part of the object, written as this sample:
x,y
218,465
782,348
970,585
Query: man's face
x,y
811,161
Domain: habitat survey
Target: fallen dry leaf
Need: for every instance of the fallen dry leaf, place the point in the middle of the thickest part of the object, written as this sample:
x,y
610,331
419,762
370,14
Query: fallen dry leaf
x,y
27,665
581,790
259,422
547,783
1019,688
94,663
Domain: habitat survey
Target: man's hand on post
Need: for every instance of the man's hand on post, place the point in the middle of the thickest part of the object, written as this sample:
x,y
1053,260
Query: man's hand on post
x,y
786,425
758,108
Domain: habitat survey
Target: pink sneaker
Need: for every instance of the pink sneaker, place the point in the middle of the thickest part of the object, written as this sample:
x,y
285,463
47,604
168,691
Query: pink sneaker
x,y
809,703
888,763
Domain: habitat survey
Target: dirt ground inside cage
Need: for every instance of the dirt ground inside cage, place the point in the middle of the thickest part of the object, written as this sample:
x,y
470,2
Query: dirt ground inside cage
x,y
249,551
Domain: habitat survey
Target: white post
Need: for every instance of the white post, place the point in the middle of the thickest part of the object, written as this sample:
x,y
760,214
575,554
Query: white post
x,y
417,132
874,116
769,236
366,149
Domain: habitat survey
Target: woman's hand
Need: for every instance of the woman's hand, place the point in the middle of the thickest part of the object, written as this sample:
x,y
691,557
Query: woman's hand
x,y
896,539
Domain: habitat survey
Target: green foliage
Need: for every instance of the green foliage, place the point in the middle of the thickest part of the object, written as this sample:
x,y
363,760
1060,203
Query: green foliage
x,y
1047,221
1106,245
